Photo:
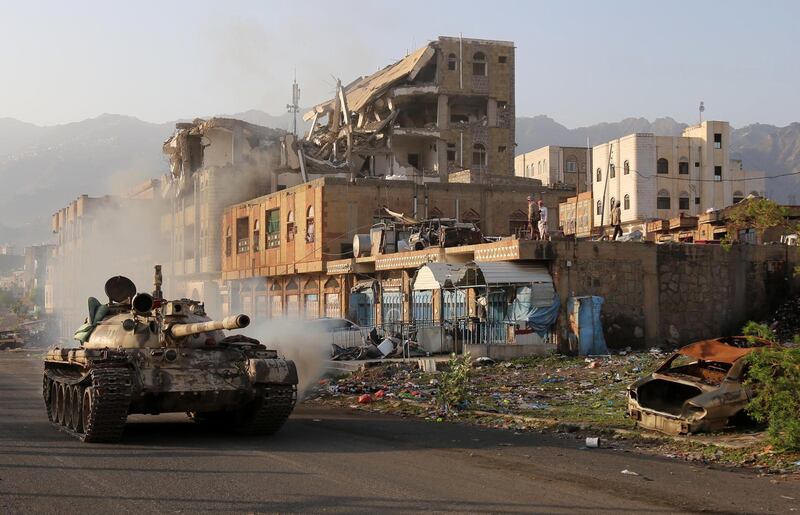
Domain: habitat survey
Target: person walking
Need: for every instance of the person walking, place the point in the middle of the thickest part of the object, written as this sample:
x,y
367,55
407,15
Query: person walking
x,y
543,221
533,219
616,222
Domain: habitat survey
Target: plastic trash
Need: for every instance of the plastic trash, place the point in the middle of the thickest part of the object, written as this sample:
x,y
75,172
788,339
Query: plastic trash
x,y
629,472
365,399
593,442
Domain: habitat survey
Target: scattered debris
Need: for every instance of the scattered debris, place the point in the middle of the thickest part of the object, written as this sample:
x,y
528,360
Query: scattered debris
x,y
629,472
592,442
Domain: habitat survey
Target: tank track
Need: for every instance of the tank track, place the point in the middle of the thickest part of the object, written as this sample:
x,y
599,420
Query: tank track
x,y
110,395
269,412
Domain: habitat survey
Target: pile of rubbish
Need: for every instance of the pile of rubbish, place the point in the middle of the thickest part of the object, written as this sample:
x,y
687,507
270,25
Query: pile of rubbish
x,y
376,347
786,320
392,381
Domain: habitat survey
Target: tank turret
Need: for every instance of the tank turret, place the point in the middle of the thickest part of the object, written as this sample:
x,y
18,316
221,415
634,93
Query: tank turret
x,y
140,353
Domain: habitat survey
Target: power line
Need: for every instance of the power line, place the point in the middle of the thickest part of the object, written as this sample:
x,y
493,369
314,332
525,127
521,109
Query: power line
x,y
678,178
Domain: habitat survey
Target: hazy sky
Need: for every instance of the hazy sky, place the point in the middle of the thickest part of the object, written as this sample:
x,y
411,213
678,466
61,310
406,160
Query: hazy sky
x,y
578,62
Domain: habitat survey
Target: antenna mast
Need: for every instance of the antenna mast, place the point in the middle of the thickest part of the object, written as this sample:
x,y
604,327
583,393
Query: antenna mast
x,y
701,109
294,107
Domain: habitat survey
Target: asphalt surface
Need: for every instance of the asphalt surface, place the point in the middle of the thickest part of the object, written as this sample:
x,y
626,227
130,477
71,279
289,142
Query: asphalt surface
x,y
341,461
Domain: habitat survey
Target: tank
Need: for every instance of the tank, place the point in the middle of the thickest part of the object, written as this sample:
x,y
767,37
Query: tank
x,y
142,354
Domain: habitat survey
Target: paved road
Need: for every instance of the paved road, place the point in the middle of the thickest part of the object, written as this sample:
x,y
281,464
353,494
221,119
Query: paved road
x,y
328,460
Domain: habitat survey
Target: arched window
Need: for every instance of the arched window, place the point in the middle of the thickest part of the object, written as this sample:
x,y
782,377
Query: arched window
x,y
599,207
310,224
599,175
738,196
612,171
662,166
626,201
452,62
539,168
478,155
479,64
291,229
626,168
662,200
683,200
257,236
613,203
228,241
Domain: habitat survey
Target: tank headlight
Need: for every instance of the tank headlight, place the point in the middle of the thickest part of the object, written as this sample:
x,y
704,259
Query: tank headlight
x,y
171,355
129,324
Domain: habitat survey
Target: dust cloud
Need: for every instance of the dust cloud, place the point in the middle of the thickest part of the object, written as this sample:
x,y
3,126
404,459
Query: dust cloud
x,y
300,341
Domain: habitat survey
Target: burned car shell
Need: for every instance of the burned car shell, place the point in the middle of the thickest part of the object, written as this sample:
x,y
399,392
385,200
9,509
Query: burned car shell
x,y
700,395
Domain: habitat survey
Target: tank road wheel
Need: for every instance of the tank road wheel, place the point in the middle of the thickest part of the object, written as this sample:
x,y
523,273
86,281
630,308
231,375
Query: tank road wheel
x,y
76,420
47,390
54,401
67,422
267,413
60,402
86,407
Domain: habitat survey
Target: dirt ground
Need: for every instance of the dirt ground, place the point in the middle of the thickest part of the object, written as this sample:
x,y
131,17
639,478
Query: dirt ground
x,y
574,397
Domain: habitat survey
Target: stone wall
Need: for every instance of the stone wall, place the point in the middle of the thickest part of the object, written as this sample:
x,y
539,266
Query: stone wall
x,y
675,294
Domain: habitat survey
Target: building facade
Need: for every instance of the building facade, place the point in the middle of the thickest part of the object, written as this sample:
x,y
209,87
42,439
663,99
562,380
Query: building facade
x,y
661,177
557,166
575,215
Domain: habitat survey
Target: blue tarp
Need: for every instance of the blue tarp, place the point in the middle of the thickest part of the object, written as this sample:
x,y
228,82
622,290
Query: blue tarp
x,y
584,320
540,319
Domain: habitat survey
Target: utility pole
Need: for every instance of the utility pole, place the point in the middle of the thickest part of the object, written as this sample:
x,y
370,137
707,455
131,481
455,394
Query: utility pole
x,y
294,107
605,189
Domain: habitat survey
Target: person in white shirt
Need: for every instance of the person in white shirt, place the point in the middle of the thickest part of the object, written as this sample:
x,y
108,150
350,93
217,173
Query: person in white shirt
x,y
543,221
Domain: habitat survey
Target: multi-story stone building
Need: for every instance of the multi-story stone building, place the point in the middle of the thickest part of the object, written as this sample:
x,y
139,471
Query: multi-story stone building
x,y
575,215
661,177
445,107
556,166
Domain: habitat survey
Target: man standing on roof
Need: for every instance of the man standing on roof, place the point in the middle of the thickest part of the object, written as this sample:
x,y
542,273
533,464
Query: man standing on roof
x,y
533,219
543,221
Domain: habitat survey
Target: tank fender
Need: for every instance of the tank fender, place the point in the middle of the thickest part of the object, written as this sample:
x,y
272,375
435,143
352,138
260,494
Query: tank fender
x,y
273,371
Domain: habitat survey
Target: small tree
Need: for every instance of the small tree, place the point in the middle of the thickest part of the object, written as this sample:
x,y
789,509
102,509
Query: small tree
x,y
759,214
774,376
454,382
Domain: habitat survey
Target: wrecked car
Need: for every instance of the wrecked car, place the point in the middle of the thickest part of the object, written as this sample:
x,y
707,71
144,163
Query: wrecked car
x,y
699,388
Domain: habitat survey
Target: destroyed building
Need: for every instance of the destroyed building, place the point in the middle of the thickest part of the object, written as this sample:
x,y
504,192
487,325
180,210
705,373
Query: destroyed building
x,y
446,107
213,163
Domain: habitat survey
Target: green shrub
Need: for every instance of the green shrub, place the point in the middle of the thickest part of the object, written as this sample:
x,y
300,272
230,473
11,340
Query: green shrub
x,y
775,378
454,382
752,328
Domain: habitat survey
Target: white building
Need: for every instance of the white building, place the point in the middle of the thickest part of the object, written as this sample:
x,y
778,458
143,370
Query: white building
x,y
661,177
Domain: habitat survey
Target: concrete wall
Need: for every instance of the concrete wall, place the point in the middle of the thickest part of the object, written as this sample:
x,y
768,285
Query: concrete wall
x,y
675,294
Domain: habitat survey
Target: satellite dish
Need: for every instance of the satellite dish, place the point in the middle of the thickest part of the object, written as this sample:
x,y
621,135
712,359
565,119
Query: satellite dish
x,y
120,289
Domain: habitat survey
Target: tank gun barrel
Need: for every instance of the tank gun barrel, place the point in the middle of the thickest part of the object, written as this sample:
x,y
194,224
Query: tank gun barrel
x,y
232,322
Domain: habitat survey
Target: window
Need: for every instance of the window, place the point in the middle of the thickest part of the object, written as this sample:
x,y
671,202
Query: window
x,y
242,236
697,164
626,201
479,64
451,152
662,200
413,160
478,155
501,148
599,175
683,168
572,166
310,224
333,308
626,168
612,172
502,105
613,203
717,140
228,241
717,173
697,201
683,200
452,62
502,59
738,196
290,227
662,166
257,236
599,208
273,218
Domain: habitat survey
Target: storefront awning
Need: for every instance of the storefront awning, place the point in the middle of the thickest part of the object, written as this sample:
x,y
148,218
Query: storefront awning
x,y
364,285
511,273
434,276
